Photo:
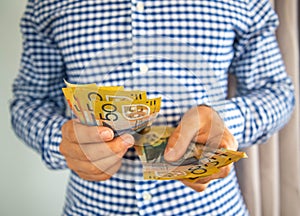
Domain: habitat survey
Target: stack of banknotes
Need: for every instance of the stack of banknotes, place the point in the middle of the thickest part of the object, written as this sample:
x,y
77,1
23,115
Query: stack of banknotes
x,y
130,111
124,111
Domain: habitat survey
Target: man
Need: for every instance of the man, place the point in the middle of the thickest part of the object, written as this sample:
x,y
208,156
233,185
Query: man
x,y
180,50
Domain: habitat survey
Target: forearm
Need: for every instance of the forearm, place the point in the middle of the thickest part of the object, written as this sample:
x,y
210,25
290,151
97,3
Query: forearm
x,y
38,124
266,111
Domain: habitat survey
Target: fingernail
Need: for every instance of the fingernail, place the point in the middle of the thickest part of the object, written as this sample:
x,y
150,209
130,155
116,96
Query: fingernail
x,y
106,134
170,154
127,140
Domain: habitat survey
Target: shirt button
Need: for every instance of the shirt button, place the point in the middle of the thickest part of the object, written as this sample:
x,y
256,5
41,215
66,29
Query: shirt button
x,y
147,196
144,68
140,7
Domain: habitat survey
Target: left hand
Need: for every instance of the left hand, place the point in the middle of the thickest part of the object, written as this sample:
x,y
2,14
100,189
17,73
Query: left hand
x,y
201,124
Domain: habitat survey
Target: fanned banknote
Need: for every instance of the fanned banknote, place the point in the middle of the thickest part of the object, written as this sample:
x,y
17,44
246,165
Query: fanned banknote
x,y
124,111
127,116
198,161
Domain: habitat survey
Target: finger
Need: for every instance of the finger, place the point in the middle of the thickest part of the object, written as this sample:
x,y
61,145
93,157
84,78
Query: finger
x,y
90,177
115,152
223,140
224,172
109,165
213,131
106,166
204,180
117,146
108,155
96,151
69,150
114,149
196,186
182,136
79,133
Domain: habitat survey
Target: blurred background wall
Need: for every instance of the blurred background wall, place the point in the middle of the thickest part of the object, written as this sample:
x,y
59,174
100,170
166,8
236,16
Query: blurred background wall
x,y
27,187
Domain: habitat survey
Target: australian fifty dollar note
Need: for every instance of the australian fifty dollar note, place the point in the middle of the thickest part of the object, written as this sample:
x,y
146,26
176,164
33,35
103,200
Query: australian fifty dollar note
x,y
198,161
124,111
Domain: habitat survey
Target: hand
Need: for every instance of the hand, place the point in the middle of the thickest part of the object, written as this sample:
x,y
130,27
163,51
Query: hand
x,y
201,124
92,151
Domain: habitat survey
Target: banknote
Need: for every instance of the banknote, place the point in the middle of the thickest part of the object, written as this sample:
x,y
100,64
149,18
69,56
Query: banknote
x,y
198,161
126,116
82,100
68,84
124,111
92,85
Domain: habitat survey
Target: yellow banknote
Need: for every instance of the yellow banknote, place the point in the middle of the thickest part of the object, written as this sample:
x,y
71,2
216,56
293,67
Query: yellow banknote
x,y
81,98
126,116
198,161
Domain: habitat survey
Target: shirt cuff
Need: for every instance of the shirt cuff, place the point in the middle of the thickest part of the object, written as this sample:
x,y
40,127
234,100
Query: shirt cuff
x,y
51,141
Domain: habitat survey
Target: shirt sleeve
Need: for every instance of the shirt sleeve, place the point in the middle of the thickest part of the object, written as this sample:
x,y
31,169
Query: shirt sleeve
x,y
264,96
38,107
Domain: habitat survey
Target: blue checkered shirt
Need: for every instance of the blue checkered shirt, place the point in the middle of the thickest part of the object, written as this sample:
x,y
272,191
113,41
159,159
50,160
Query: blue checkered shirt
x,y
182,50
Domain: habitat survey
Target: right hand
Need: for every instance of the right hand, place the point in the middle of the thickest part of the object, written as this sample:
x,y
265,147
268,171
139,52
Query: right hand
x,y
92,151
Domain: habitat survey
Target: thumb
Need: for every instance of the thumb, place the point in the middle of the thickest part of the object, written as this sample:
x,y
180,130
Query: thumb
x,y
179,141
